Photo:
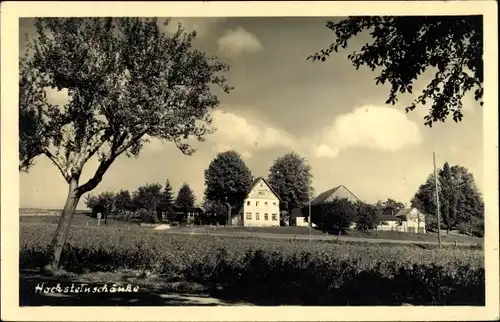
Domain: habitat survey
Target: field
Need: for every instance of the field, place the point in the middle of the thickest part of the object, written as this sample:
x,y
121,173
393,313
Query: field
x,y
81,219
270,272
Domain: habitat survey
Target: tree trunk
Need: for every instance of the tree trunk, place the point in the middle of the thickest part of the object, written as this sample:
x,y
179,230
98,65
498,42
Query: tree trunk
x,y
62,230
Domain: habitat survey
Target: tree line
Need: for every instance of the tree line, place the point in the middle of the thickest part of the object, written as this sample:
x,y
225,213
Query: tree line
x,y
228,180
149,203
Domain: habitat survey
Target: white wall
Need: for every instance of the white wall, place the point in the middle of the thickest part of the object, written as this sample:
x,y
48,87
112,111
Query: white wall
x,y
392,225
261,201
301,222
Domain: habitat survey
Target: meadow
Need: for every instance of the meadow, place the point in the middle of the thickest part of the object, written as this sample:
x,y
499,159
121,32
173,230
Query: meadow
x,y
270,272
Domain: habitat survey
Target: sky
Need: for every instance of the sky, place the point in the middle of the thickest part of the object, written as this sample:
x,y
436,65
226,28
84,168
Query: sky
x,y
328,112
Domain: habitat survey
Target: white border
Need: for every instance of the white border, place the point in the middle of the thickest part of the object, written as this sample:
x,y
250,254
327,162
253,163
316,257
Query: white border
x,y
11,11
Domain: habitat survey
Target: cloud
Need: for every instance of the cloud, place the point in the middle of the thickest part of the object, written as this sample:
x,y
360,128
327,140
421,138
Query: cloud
x,y
202,26
246,135
374,127
238,41
377,128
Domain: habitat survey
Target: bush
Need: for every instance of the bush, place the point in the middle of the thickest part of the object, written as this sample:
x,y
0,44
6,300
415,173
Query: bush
x,y
274,271
147,216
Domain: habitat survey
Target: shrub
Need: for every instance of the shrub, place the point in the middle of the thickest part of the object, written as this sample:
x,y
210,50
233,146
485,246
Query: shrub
x,y
274,271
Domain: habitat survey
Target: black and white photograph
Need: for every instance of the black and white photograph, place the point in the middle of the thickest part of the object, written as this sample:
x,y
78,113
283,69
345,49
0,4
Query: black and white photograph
x,y
270,160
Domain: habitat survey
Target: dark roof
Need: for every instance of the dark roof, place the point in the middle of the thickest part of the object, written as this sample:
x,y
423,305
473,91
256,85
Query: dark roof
x,y
325,195
403,212
390,218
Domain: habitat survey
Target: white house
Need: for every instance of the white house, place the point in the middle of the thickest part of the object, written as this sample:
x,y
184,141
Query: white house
x,y
408,220
261,207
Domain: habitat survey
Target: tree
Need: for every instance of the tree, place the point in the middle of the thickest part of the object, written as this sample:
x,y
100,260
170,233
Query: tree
x,y
147,197
460,200
127,82
185,197
449,202
227,179
290,177
167,199
390,206
103,203
367,217
214,212
123,202
404,47
336,215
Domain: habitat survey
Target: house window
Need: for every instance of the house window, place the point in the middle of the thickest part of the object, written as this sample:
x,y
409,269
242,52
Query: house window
x,y
257,203
261,185
248,203
257,217
266,217
265,203
249,215
275,217
274,203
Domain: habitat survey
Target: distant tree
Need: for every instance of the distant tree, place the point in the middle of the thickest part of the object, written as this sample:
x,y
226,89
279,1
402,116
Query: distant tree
x,y
227,179
403,47
390,206
127,81
147,197
123,202
460,200
215,212
185,197
91,201
367,216
334,216
167,199
104,203
450,197
290,177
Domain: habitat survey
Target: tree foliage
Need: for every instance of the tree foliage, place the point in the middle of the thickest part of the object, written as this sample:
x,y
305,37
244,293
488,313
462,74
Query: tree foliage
x,y
404,47
214,212
334,216
367,217
127,82
167,197
460,200
227,179
123,202
185,197
290,177
390,206
147,197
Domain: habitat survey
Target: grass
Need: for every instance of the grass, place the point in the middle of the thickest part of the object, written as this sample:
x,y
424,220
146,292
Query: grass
x,y
82,219
263,271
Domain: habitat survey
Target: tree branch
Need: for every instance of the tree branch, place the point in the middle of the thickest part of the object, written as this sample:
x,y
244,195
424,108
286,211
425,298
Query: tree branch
x,y
106,163
54,160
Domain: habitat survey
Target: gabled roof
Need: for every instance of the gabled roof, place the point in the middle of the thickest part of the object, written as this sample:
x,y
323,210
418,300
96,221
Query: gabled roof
x,y
390,218
256,181
404,212
327,194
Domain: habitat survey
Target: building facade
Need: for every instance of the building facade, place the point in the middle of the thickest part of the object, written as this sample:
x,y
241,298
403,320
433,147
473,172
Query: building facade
x,y
408,220
261,207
